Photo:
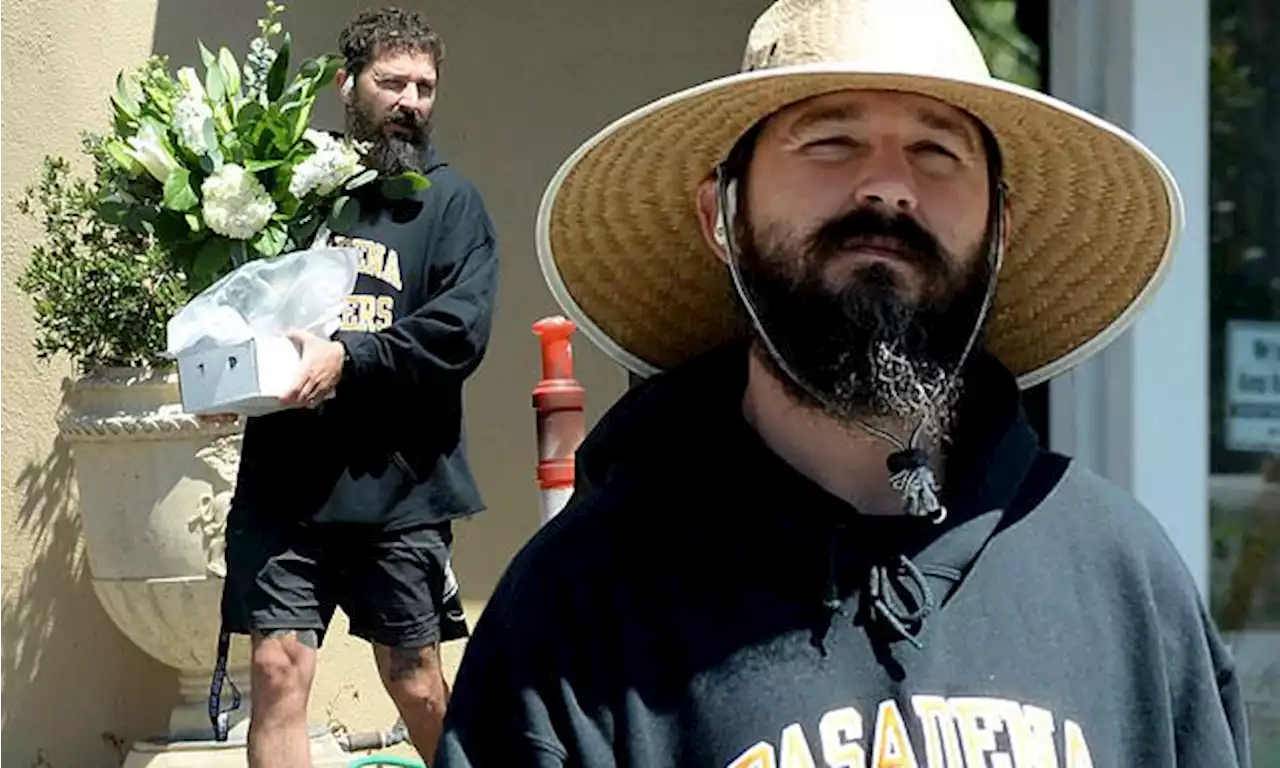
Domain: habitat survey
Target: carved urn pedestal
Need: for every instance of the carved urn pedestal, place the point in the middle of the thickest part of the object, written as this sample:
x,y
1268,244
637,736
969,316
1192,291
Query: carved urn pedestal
x,y
154,485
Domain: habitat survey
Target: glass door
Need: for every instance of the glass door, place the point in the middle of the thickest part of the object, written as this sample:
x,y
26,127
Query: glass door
x,y
1244,309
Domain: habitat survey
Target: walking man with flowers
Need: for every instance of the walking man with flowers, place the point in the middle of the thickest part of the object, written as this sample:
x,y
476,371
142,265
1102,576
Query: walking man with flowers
x,y
346,499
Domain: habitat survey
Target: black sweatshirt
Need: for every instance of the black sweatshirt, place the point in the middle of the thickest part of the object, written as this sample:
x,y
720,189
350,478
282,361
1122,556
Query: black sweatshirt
x,y
700,603
390,448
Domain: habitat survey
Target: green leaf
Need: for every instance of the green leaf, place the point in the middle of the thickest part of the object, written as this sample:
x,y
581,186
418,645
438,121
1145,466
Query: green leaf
x,y
250,115
279,70
214,85
303,230
211,141
326,67
232,147
299,115
156,124
206,55
272,133
362,178
254,166
404,185
126,96
286,209
345,214
230,71
184,255
172,228
316,73
113,212
115,149
178,194
212,261
270,241
123,124
193,222
311,67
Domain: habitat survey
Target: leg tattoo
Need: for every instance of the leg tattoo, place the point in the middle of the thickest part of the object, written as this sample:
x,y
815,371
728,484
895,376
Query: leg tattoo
x,y
404,663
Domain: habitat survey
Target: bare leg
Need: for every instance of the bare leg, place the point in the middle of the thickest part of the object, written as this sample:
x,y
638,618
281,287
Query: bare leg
x,y
284,665
416,684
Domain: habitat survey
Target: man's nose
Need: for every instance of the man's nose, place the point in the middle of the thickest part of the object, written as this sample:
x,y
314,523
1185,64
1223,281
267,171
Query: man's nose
x,y
886,182
412,98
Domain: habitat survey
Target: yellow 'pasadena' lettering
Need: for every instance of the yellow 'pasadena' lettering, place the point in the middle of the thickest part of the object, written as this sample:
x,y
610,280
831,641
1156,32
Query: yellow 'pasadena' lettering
x,y
939,731
759,756
840,731
795,749
958,732
980,719
893,746
1030,732
376,260
1077,751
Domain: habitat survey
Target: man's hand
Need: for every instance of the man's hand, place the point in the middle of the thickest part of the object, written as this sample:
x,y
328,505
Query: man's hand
x,y
320,370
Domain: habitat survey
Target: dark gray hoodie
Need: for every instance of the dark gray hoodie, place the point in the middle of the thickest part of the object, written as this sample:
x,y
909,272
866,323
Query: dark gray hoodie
x,y
699,603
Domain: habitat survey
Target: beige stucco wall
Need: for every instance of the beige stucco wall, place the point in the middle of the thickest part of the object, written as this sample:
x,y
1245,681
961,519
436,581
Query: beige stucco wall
x,y
523,84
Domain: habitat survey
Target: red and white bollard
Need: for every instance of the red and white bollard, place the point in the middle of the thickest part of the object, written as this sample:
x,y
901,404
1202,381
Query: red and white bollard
x,y
559,400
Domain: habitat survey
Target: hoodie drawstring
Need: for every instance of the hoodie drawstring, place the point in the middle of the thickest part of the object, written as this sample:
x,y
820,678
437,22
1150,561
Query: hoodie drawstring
x,y
885,587
898,596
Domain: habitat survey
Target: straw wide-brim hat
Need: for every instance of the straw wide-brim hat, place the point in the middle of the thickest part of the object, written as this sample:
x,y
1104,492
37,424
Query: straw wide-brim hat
x,y
1095,215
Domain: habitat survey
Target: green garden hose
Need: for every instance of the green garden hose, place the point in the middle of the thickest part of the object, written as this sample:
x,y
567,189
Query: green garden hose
x,y
402,762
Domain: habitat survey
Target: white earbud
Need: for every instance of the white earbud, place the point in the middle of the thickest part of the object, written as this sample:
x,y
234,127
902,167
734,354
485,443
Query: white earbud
x,y
348,85
723,217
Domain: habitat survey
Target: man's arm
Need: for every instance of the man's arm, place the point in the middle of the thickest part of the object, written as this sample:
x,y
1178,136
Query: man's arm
x,y
1208,707
1233,705
444,340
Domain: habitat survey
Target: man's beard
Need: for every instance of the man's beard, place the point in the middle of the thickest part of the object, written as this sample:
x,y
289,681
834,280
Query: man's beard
x,y
861,349
389,153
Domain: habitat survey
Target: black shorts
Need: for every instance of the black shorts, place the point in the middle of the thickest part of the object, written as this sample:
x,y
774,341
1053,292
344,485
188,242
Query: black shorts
x,y
396,587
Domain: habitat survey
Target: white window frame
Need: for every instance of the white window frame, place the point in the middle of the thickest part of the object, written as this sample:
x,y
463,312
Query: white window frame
x,y
1138,412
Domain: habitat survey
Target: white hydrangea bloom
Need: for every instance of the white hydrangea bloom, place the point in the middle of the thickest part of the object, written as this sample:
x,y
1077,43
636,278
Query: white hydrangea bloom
x,y
236,205
332,164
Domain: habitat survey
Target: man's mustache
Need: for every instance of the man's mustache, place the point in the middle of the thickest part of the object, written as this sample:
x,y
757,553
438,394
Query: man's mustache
x,y
406,118
872,226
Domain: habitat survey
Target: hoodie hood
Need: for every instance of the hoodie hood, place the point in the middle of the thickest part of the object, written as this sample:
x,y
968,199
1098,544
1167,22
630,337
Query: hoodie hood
x,y
991,451
686,427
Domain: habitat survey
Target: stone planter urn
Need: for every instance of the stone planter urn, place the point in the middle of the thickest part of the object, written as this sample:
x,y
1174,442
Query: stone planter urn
x,y
154,485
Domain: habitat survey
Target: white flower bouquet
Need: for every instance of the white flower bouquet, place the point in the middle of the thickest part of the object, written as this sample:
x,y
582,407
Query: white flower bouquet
x,y
225,168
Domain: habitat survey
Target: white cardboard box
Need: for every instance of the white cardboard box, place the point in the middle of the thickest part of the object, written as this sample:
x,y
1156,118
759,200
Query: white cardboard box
x,y
246,378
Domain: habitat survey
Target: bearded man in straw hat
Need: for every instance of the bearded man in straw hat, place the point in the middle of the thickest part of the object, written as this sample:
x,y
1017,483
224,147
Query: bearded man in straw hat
x,y
828,536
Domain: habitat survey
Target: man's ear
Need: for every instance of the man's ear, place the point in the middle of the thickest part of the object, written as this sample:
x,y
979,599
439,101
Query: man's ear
x,y
709,218
346,84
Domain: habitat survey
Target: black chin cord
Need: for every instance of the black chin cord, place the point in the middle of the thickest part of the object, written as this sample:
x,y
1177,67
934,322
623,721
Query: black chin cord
x,y
909,471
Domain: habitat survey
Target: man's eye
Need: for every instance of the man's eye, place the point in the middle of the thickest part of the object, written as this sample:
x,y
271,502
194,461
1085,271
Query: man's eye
x,y
832,141
932,148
